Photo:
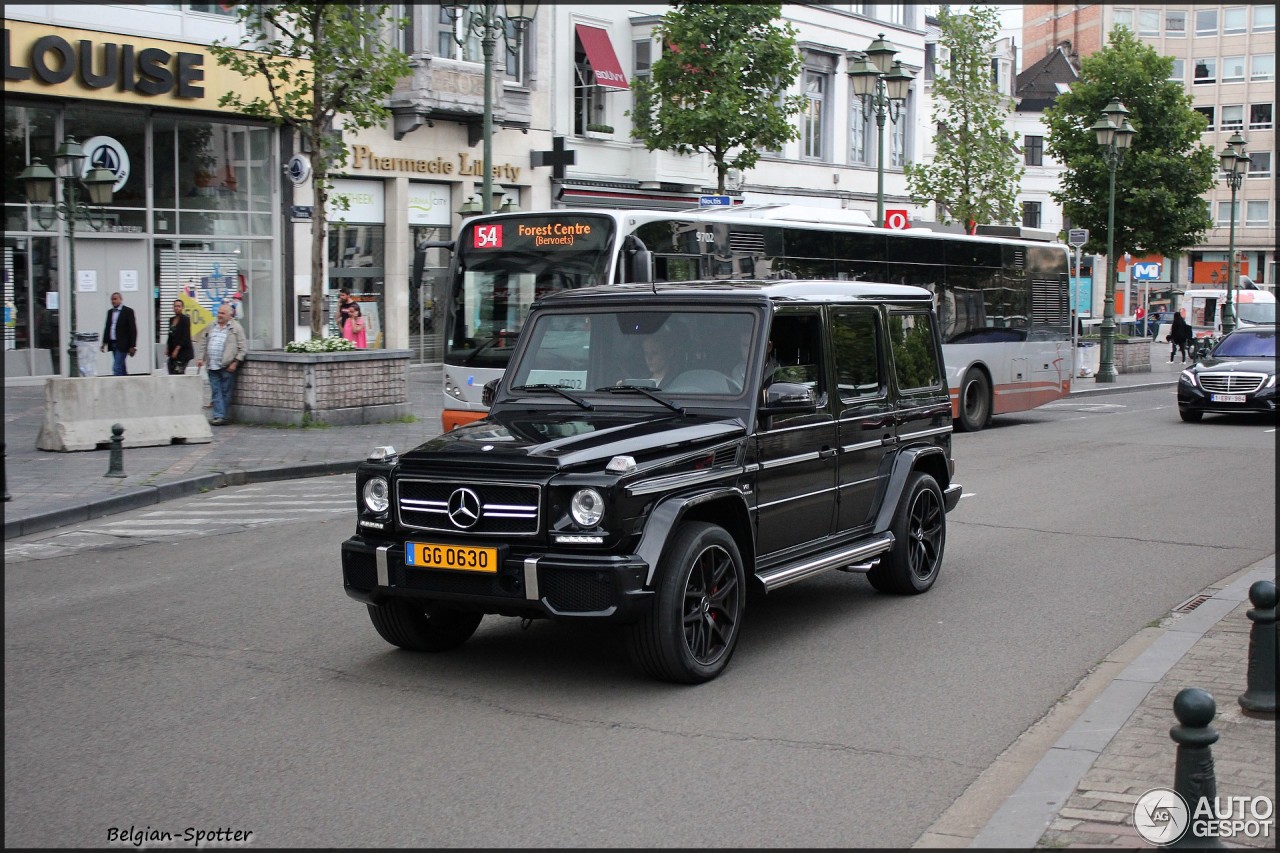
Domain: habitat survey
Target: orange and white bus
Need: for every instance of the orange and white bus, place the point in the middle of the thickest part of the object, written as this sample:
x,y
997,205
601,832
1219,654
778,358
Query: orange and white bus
x,y
1003,300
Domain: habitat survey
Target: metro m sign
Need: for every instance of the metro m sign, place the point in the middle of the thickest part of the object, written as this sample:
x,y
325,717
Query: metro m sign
x,y
1145,271
896,219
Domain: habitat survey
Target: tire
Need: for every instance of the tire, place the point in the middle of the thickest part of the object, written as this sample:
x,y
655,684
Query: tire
x,y
975,401
920,536
1191,416
425,627
692,628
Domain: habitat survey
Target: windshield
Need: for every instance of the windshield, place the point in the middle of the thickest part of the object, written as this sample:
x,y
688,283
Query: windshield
x,y
503,265
671,352
1251,344
1256,313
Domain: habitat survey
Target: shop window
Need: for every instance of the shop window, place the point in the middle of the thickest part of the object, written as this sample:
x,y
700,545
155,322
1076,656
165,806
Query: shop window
x,y
1033,150
116,140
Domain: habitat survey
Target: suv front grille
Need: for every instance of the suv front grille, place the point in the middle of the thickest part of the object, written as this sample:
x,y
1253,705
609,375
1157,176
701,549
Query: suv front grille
x,y
1231,383
467,507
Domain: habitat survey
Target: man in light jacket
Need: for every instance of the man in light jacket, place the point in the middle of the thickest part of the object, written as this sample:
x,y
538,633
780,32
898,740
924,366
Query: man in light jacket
x,y
223,348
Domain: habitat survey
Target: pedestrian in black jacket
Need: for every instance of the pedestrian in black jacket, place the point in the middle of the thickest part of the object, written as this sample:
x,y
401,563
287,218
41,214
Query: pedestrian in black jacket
x,y
178,345
120,333
1181,336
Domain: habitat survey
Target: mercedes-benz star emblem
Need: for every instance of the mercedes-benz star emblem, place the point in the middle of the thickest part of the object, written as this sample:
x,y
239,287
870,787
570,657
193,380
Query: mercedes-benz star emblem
x,y
464,508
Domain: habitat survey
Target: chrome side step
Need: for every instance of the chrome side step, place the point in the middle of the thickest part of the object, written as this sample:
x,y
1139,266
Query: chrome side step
x,y
792,572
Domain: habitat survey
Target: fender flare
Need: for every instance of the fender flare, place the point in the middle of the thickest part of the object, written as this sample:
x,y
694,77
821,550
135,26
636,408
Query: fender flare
x,y
905,462
668,514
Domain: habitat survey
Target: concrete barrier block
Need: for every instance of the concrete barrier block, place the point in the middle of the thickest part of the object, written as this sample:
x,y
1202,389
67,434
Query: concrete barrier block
x,y
153,409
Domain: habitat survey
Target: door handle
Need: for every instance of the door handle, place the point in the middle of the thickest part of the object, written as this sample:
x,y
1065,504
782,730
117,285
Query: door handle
x,y
826,453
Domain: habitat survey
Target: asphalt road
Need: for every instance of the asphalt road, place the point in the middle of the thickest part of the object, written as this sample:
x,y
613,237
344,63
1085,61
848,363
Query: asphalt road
x,y
191,669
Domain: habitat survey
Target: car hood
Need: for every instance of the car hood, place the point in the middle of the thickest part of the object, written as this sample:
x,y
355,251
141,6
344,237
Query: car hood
x,y
1243,365
567,440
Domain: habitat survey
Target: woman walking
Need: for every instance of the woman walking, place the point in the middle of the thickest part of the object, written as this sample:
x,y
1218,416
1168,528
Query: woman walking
x,y
178,346
1181,336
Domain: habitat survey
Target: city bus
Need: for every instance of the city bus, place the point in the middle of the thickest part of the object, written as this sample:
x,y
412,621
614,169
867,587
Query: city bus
x,y
1003,300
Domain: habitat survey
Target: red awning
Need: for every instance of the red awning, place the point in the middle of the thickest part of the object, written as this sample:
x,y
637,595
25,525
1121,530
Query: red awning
x,y
604,62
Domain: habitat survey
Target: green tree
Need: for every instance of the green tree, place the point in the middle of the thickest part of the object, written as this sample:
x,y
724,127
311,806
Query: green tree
x,y
719,86
976,171
324,65
1161,180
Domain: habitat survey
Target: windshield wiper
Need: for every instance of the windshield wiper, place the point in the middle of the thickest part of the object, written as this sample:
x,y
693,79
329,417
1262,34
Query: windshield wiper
x,y
546,386
648,392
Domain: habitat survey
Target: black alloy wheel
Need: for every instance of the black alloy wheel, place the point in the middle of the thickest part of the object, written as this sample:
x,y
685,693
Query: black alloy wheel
x,y
920,536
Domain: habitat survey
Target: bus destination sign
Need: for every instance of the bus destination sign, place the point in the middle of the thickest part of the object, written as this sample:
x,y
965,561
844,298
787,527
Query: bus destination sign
x,y
540,233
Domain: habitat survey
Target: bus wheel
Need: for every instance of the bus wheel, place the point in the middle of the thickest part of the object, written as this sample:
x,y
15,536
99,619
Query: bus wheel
x,y
975,401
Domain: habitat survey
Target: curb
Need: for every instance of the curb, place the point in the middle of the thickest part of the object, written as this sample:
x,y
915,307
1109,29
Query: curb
x,y
1107,388
145,496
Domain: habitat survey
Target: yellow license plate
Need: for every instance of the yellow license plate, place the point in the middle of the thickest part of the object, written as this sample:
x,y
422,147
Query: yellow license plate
x,y
463,558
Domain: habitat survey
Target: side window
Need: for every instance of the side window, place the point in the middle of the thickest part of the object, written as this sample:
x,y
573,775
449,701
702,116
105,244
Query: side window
x,y
855,337
915,359
796,345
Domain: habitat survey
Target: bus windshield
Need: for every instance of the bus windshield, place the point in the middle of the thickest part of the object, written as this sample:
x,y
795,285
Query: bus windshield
x,y
503,265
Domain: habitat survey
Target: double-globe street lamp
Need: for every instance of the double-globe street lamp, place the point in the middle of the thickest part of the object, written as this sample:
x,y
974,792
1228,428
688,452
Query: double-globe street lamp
x,y
1115,135
1235,162
38,183
485,22
882,84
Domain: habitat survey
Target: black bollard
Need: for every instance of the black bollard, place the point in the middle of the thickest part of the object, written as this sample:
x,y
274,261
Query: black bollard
x,y
1193,776
1259,697
115,468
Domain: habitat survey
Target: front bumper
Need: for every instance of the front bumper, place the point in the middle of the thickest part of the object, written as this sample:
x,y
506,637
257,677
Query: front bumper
x,y
1195,399
562,586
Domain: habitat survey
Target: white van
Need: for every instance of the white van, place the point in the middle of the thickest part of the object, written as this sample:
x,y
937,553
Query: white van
x,y
1204,307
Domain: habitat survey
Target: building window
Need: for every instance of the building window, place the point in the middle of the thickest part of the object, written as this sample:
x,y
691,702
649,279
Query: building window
x,y
930,59
1207,112
641,69
1122,18
225,9
1031,214
859,133
1149,22
1257,213
1232,69
1033,150
898,136
813,121
1260,116
1260,164
1179,71
1175,24
1264,18
1224,212
1207,22
516,62
1233,20
1206,71
1262,66
1232,117
588,97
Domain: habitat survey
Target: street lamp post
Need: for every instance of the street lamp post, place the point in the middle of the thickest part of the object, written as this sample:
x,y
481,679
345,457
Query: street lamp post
x,y
38,182
1235,162
486,23
1115,134
882,84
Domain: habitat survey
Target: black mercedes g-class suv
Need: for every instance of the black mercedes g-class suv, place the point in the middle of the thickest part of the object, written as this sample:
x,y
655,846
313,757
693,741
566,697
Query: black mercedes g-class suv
x,y
654,449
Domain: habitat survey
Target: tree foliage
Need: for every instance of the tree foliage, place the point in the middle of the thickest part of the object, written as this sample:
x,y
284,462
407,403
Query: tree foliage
x,y
719,86
1161,180
320,62
976,171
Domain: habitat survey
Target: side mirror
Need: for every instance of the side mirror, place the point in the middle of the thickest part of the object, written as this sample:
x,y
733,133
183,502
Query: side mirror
x,y
789,398
489,392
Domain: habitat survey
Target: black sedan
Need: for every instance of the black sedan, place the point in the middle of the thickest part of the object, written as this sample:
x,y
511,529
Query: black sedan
x,y
1238,375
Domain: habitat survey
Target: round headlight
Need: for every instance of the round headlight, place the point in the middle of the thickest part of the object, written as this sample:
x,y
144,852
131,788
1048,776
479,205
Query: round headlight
x,y
377,494
587,507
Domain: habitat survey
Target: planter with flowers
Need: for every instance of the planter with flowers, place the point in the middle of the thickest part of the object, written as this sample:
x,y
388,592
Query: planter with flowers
x,y
322,381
